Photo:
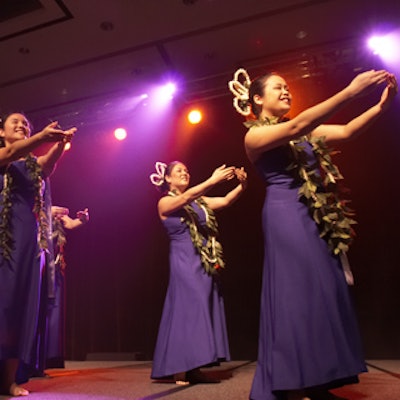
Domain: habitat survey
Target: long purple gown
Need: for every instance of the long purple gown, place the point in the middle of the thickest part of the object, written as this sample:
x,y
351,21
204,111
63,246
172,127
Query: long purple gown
x,y
21,277
55,343
308,332
192,331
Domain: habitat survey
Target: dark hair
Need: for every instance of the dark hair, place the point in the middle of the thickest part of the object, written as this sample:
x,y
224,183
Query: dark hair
x,y
165,186
257,88
3,119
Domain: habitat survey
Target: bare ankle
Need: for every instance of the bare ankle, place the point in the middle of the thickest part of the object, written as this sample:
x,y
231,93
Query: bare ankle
x,y
16,390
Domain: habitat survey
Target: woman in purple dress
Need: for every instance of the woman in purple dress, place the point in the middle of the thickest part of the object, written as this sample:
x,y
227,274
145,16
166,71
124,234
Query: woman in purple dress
x,y
192,331
51,328
54,356
23,241
309,340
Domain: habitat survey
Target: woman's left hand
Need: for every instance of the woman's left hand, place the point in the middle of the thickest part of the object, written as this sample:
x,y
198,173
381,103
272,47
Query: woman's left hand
x,y
389,92
241,175
83,216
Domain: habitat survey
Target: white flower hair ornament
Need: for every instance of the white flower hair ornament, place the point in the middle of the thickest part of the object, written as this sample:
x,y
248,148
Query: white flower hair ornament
x,y
158,177
241,92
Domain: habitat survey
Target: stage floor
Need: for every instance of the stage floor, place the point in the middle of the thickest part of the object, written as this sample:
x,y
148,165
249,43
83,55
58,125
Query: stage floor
x,y
130,380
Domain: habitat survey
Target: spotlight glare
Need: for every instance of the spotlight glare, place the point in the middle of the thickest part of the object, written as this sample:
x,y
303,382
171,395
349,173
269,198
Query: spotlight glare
x,y
67,146
383,46
168,90
195,117
120,134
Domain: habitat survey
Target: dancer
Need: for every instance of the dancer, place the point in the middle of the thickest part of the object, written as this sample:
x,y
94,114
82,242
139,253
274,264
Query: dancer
x,y
55,338
192,331
309,340
23,241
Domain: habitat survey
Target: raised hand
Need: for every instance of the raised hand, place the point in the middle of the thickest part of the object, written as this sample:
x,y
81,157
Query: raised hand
x,y
223,173
241,175
58,212
51,133
83,216
389,92
367,81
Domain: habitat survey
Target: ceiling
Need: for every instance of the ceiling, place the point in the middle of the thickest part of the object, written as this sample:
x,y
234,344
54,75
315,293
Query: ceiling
x,y
65,57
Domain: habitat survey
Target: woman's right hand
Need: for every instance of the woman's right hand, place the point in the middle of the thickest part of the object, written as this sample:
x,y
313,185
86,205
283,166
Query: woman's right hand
x,y
53,134
389,92
366,82
223,173
58,212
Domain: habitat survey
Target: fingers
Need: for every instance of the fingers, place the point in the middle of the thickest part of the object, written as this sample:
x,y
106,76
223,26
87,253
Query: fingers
x,y
241,174
62,210
83,215
58,212
392,82
375,77
70,131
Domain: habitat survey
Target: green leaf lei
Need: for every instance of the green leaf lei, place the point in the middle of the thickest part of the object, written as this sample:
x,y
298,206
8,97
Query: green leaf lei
x,y
204,238
6,240
35,174
61,240
321,191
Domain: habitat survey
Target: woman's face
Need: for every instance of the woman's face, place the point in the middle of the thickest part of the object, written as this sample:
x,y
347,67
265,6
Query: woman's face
x,y
277,99
15,127
179,177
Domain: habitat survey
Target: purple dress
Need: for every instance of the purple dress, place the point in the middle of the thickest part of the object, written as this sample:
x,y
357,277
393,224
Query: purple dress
x,y
192,331
308,332
21,277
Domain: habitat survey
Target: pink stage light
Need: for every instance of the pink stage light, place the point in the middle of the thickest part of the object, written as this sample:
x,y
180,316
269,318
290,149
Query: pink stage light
x,y
120,134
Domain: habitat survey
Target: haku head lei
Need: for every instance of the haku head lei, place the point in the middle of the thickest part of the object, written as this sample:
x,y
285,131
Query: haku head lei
x,y
239,87
158,177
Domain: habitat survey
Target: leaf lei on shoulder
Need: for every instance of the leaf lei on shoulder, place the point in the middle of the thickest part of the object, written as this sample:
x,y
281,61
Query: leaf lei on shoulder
x,y
323,195
320,190
6,238
61,240
204,238
39,209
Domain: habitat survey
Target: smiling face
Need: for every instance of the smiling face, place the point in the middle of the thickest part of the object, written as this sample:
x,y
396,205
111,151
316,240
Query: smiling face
x,y
276,98
15,127
179,177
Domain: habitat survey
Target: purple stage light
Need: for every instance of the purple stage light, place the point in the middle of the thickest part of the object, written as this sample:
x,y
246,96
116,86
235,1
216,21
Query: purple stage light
x,y
385,46
168,90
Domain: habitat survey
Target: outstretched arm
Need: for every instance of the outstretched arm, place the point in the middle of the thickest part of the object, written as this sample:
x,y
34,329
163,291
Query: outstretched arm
x,y
49,160
61,213
169,204
335,133
217,203
262,138
21,148
82,217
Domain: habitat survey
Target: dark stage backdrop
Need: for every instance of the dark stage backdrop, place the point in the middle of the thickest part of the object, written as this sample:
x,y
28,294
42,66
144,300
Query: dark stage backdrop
x,y
117,270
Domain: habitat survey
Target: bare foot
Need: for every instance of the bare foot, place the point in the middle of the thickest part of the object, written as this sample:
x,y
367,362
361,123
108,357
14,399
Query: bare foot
x,y
16,390
180,379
